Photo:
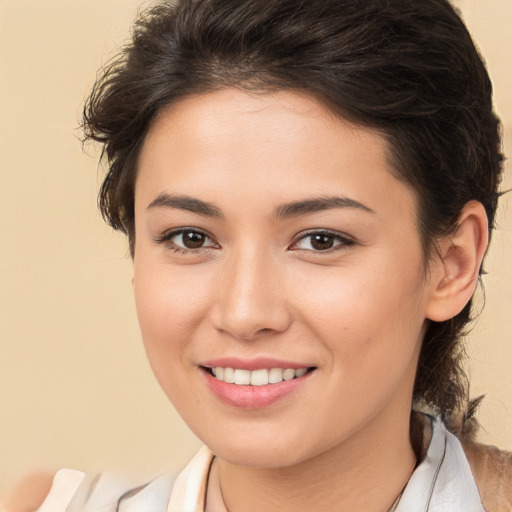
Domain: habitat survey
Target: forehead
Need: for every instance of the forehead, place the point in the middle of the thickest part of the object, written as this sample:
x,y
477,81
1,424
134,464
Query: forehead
x,y
283,146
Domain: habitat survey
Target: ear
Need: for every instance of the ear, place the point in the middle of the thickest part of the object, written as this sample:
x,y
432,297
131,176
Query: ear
x,y
456,270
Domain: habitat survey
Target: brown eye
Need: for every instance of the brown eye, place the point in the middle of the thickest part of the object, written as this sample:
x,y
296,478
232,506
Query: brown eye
x,y
186,240
193,240
322,242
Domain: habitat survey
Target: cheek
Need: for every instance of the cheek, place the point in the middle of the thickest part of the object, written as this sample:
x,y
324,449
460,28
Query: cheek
x,y
170,306
369,316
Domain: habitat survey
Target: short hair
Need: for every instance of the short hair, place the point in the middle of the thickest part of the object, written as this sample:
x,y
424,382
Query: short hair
x,y
406,68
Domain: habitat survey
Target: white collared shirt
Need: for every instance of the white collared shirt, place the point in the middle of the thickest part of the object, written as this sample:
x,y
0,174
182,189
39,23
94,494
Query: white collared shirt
x,y
442,482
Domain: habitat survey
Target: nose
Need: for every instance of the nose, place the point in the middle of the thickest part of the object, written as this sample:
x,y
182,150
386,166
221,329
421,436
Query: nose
x,y
251,298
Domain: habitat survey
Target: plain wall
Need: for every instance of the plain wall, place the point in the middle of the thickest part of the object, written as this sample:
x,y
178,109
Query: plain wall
x,y
75,388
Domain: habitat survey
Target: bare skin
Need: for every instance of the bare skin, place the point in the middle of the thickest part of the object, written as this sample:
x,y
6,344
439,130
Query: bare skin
x,y
232,171
350,481
271,232
28,494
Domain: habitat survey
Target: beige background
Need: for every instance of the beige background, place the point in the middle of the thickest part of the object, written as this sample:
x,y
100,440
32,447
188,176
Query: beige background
x,y
75,389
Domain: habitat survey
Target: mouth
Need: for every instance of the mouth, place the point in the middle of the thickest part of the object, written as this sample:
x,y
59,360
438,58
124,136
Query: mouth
x,y
258,377
256,388
257,382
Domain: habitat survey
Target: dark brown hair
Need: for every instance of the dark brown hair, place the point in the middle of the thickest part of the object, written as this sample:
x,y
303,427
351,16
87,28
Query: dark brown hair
x,y
407,68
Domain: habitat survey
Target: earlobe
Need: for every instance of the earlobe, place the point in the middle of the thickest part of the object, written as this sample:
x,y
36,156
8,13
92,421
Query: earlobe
x,y
458,264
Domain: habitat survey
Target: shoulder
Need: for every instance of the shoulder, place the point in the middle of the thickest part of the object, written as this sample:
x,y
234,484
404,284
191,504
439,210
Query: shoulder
x,y
71,489
492,470
28,493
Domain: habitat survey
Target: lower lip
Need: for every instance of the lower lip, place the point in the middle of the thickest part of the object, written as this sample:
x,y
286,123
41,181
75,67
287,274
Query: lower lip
x,y
253,397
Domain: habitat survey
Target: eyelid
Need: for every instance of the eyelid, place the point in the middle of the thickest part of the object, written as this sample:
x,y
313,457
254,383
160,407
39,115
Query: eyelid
x,y
346,240
166,237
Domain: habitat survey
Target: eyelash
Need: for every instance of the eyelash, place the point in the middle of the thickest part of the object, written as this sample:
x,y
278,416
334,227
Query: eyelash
x,y
344,241
166,238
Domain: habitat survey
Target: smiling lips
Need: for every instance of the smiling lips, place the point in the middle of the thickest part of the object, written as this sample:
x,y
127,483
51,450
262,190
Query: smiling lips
x,y
261,377
254,386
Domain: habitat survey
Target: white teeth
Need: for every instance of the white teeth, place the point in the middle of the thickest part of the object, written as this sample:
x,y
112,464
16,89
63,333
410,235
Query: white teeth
x,y
242,377
229,375
288,374
299,373
260,377
275,375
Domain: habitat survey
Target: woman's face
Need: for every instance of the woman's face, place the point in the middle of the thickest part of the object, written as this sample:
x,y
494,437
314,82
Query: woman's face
x,y
272,235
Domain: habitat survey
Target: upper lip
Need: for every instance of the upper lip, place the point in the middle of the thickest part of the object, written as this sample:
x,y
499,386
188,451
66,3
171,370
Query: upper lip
x,y
256,363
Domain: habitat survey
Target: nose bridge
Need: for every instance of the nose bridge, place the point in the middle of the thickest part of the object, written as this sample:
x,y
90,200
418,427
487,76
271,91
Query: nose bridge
x,y
251,298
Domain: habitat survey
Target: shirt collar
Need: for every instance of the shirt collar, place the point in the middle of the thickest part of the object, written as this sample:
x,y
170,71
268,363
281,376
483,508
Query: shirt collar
x,y
442,482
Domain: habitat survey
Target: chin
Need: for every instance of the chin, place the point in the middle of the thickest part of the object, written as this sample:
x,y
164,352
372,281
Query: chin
x,y
259,456
259,448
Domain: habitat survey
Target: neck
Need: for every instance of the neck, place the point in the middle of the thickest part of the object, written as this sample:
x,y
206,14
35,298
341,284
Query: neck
x,y
366,472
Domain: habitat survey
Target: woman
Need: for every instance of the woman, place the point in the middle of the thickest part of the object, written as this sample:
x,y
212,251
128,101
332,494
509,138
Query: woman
x,y
308,193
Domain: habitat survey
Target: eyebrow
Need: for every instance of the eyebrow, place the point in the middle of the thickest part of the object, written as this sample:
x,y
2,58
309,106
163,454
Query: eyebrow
x,y
318,204
287,210
187,203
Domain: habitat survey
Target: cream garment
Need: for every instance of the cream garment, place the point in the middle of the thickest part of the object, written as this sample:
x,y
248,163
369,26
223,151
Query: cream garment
x,y
442,482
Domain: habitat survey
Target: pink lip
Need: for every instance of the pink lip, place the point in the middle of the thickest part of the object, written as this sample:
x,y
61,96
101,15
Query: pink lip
x,y
253,397
257,363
